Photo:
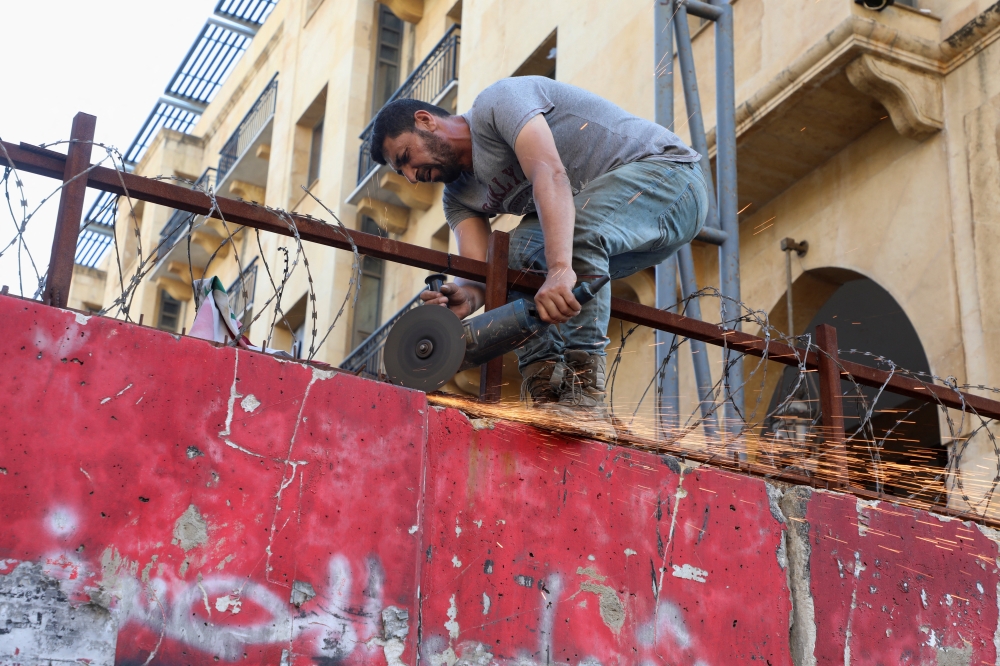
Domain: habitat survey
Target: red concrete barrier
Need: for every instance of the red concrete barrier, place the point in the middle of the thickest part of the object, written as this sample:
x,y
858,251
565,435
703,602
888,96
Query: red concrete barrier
x,y
168,501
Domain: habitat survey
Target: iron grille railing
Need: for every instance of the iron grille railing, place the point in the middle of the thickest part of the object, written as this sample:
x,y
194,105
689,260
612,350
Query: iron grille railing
x,y
92,243
179,221
256,119
205,67
366,359
245,12
427,82
163,115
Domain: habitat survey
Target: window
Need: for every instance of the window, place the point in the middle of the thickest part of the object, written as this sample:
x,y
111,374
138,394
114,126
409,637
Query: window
x,y
542,62
387,57
440,239
299,347
170,312
315,153
307,152
368,310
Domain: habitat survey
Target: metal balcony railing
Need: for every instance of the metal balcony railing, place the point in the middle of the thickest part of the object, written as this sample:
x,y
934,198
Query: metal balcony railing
x,y
366,359
251,125
178,222
428,81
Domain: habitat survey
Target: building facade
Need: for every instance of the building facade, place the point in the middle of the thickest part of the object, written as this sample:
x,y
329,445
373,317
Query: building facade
x,y
872,135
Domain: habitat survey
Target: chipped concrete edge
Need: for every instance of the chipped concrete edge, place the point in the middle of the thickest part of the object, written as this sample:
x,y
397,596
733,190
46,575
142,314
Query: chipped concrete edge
x,y
802,630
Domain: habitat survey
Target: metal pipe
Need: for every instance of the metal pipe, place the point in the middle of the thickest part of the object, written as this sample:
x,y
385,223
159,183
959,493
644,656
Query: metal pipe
x,y
692,103
668,407
702,10
60,274
729,253
689,285
699,352
788,292
711,235
788,245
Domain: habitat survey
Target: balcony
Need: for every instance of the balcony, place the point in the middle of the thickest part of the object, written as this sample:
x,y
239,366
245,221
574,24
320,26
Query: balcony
x,y
243,159
179,221
435,80
172,272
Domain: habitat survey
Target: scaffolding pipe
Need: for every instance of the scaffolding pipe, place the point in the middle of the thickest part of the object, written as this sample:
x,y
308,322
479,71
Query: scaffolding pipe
x,y
692,104
729,251
668,407
699,352
689,285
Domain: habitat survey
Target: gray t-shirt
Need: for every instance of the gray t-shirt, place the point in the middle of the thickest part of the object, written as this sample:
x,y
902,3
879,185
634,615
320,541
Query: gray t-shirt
x,y
592,135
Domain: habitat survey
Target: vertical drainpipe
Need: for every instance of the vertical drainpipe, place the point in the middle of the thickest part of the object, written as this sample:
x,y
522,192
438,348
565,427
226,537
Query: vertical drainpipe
x,y
729,253
668,407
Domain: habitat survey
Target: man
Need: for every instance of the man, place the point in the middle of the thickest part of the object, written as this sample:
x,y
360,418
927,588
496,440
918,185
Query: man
x,y
602,192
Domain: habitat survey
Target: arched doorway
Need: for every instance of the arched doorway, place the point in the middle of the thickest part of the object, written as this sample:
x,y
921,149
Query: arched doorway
x,y
896,450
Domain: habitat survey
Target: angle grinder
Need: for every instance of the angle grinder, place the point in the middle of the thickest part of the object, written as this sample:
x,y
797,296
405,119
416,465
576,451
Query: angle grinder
x,y
429,344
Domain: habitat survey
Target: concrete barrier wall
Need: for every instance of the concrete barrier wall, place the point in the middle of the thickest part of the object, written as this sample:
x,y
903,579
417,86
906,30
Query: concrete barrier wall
x,y
167,501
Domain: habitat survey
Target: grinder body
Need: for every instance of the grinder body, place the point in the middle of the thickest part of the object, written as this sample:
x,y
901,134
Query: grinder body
x,y
427,346
504,329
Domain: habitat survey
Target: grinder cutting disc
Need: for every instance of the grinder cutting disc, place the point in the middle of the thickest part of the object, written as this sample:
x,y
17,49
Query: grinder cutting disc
x,y
425,348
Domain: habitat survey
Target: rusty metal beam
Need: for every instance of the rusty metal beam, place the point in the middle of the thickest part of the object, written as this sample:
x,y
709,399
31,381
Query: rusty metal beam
x,y
497,253
831,403
63,253
32,159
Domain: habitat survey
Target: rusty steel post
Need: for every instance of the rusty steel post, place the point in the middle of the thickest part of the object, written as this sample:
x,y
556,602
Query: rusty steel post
x,y
70,213
832,403
497,253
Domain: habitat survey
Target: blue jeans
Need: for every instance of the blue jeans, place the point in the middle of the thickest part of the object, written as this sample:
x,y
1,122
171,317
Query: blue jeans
x,y
629,219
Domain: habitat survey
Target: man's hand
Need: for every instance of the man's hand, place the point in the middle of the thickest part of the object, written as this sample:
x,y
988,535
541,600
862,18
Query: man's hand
x,y
555,301
536,152
458,299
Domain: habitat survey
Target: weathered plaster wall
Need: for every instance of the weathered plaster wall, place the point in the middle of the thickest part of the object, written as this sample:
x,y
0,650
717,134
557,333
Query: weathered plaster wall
x,y
167,501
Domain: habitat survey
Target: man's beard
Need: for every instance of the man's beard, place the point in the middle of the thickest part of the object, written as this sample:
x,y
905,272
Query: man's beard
x,y
447,163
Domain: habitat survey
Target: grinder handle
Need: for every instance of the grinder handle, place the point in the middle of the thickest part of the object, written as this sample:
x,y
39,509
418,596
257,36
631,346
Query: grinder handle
x,y
588,290
434,282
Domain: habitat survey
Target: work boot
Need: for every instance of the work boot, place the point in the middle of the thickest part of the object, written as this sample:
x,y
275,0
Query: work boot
x,y
543,382
582,397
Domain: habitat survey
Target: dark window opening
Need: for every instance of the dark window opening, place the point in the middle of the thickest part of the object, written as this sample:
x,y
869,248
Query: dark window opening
x,y
367,312
388,51
901,432
542,62
170,313
315,153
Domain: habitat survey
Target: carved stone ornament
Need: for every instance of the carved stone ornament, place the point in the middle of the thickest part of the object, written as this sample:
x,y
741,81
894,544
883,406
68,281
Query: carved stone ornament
x,y
913,99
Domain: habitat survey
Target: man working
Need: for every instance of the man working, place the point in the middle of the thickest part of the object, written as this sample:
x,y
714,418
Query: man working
x,y
602,192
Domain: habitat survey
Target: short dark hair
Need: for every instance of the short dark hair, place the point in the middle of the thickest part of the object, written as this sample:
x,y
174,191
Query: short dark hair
x,y
396,118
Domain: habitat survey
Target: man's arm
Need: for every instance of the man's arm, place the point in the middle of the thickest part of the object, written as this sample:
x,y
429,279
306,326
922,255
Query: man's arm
x,y
464,297
536,152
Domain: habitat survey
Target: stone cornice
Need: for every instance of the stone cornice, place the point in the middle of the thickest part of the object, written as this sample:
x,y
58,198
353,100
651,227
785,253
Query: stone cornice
x,y
856,36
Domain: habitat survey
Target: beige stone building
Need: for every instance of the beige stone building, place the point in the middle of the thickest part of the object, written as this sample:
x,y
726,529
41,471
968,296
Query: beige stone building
x,y
873,135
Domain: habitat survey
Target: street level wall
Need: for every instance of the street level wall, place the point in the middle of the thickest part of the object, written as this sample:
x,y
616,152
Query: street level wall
x,y
165,500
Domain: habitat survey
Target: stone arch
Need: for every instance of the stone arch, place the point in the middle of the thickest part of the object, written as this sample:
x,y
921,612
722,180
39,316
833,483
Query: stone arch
x,y
867,318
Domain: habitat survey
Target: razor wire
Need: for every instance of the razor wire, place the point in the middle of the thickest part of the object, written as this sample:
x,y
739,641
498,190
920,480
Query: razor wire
x,y
787,434
790,438
130,277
